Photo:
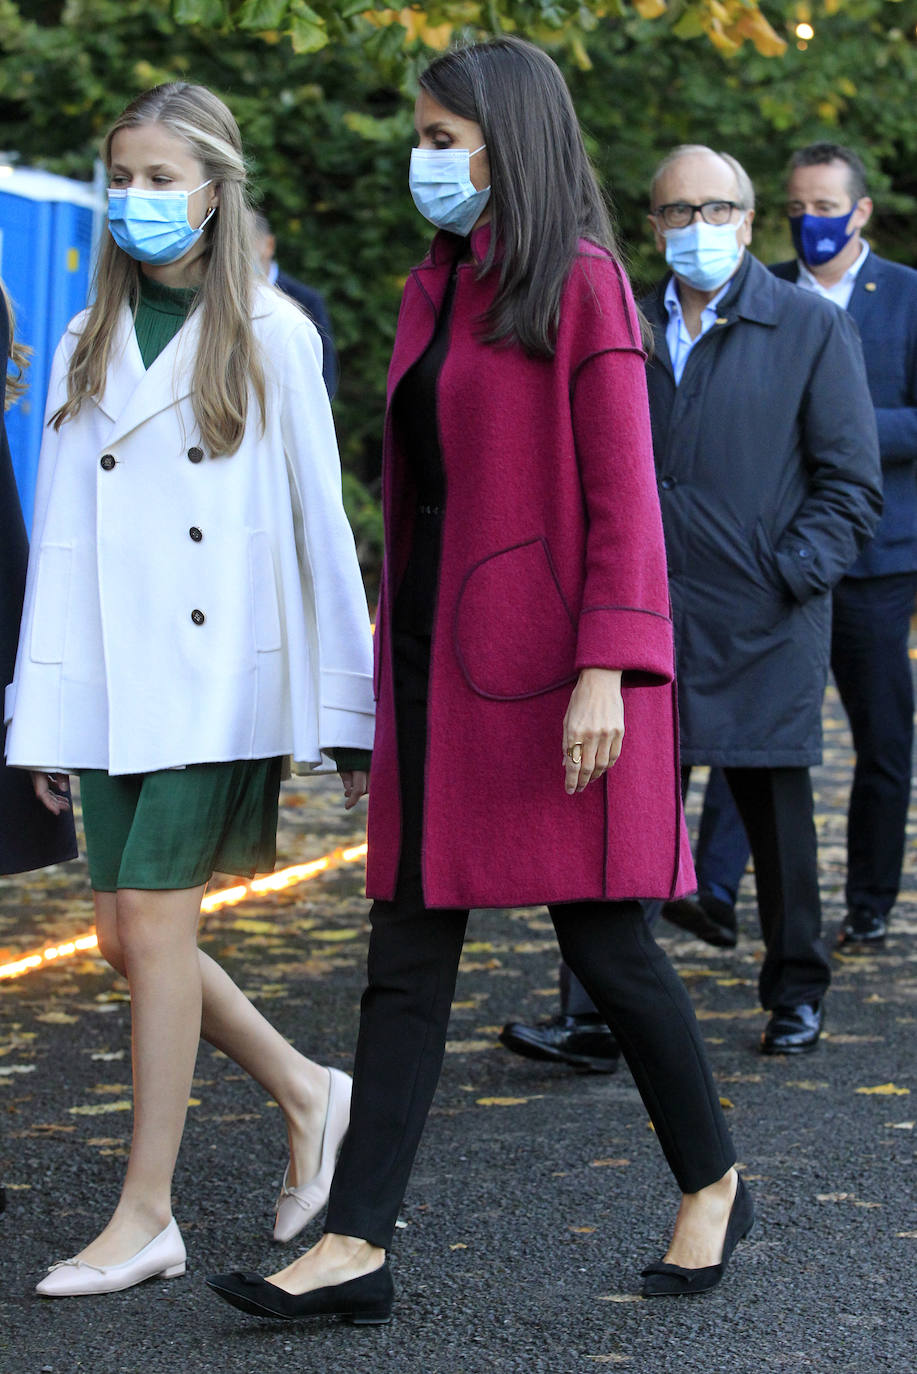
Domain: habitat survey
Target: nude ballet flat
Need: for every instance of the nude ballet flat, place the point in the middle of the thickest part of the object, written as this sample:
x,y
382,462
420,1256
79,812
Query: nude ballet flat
x,y
163,1258
297,1206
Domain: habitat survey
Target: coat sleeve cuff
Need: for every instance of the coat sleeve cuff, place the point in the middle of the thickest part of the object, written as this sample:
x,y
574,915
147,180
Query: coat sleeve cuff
x,y
795,566
347,691
632,640
348,710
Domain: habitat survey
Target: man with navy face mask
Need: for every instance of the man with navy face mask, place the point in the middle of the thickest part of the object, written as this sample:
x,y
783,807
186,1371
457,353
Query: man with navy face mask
x,y
828,208
769,481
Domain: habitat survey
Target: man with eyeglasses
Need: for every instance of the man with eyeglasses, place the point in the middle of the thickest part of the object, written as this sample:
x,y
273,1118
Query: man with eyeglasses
x,y
828,207
769,482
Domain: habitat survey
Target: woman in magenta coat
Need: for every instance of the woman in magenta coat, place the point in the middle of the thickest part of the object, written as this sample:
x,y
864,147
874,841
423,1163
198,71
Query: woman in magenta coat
x,y
524,619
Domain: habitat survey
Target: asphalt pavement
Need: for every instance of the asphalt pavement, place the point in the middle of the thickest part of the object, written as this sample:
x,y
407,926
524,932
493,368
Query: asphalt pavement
x,y
538,1194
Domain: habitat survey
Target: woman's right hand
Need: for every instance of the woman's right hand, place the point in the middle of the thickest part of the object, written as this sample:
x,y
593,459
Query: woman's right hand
x,y
356,785
53,791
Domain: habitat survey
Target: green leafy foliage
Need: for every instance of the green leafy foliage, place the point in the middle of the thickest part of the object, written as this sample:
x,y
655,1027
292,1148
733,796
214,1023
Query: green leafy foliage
x,y
328,128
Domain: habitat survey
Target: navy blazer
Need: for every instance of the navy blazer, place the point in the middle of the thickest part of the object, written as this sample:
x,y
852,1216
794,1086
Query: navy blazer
x,y
884,306
314,306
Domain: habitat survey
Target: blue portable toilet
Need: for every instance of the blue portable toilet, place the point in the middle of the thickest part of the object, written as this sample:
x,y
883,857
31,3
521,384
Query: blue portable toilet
x,y
48,227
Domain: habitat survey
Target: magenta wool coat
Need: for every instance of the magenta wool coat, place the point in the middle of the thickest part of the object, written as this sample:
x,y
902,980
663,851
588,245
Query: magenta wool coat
x,y
552,561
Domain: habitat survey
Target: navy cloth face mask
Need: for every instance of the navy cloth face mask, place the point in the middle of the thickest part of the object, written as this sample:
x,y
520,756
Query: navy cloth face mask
x,y
819,238
441,185
153,226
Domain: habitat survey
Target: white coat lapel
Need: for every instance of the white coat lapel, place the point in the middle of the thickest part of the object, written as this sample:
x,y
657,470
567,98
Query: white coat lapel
x,y
133,393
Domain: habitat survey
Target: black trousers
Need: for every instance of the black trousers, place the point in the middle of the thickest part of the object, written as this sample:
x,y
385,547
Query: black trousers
x,y
869,659
413,961
778,813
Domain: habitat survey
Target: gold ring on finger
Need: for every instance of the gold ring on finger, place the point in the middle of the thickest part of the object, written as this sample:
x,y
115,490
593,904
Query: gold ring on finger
x,y
575,752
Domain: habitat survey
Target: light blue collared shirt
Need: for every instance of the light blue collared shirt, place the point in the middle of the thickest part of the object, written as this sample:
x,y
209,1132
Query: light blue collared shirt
x,y
677,338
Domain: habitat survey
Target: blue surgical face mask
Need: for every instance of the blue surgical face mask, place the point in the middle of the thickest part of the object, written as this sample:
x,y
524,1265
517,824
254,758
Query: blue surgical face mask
x,y
704,255
152,226
819,238
440,181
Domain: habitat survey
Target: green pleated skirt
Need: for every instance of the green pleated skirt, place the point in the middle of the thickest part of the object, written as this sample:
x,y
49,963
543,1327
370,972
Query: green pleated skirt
x,y
176,828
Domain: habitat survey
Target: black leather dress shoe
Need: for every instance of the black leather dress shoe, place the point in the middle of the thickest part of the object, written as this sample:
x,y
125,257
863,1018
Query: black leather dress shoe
x,y
365,1301
705,916
862,930
583,1042
793,1030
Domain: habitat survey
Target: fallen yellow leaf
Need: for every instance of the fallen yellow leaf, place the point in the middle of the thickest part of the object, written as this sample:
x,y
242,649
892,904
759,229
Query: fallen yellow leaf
x,y
884,1090
845,1197
101,1108
609,1163
504,1101
57,1018
704,1014
582,1230
459,1245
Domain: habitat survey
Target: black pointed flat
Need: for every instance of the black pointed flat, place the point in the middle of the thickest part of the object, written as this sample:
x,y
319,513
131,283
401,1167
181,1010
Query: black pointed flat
x,y
364,1301
671,1281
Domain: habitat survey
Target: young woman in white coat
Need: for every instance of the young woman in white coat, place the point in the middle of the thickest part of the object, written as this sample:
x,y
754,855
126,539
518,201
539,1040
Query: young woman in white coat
x,y
194,612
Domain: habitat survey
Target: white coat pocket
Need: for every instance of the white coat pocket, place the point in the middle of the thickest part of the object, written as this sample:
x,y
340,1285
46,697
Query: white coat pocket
x,y
265,611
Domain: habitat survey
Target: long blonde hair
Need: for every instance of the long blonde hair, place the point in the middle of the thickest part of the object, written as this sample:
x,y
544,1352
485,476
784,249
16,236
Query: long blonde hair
x,y
227,354
19,353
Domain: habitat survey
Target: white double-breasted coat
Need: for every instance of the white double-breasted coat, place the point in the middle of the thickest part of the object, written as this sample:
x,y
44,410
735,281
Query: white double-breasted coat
x,y
184,608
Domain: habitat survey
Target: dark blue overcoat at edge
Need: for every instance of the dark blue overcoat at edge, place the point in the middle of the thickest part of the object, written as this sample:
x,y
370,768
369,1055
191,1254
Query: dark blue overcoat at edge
x,y
769,480
30,837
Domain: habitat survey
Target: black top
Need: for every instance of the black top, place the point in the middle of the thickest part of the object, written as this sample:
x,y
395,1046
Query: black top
x,y
416,424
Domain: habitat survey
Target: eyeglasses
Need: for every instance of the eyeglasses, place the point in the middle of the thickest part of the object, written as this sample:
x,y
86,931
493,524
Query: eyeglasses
x,y
678,214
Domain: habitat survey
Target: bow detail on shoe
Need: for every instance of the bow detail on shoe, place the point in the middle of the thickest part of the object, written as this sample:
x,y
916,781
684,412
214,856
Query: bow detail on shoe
x,y
73,1264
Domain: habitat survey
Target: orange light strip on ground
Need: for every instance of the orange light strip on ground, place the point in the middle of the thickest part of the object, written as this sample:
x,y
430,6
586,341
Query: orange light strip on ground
x,y
224,896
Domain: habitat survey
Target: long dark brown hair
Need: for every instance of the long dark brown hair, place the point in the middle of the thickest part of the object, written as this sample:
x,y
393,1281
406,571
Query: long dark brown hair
x,y
544,195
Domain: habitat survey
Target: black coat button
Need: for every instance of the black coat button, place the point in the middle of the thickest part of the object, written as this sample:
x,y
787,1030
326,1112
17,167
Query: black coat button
x,y
195,454
107,462
195,534
198,617
667,483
